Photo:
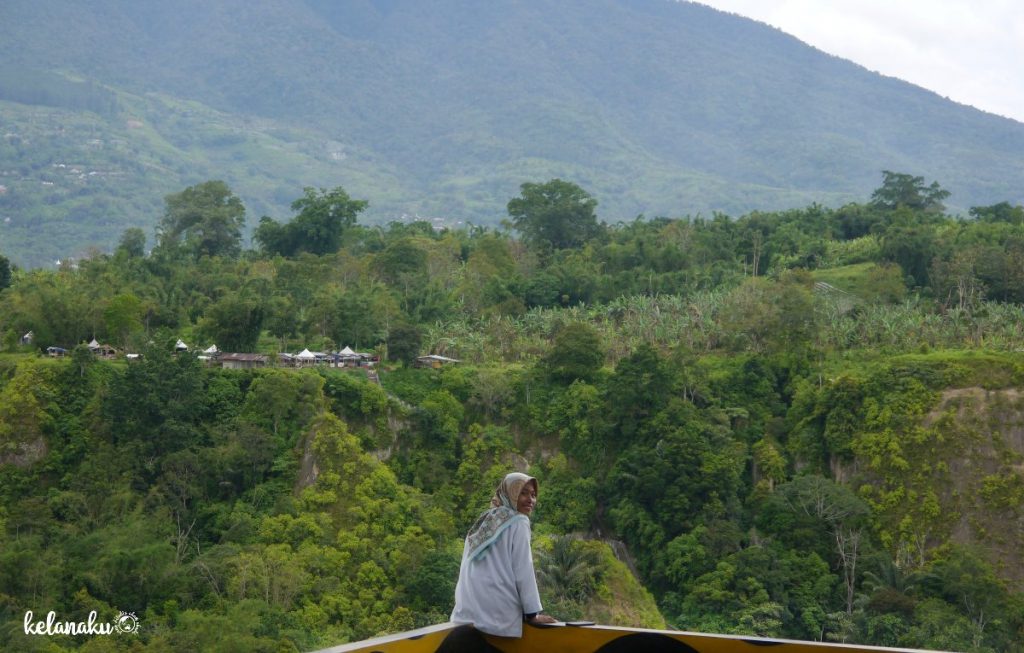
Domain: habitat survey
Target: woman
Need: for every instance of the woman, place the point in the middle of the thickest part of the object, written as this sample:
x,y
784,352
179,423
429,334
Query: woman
x,y
497,588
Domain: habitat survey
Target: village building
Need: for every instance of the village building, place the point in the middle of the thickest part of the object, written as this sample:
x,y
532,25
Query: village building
x,y
434,360
101,350
305,358
349,358
235,361
210,355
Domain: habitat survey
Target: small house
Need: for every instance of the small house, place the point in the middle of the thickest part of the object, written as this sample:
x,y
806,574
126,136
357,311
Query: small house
x,y
434,360
232,361
101,350
349,358
210,355
56,352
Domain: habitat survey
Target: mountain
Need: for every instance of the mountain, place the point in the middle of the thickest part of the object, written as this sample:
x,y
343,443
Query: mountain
x,y
441,109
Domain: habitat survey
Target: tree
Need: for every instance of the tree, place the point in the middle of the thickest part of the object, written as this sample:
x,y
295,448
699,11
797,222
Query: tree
x,y
322,217
768,316
842,512
576,354
282,318
903,190
208,216
123,316
234,323
557,214
568,572
403,265
281,400
362,315
132,243
156,406
1001,212
5,272
912,247
23,416
639,390
404,342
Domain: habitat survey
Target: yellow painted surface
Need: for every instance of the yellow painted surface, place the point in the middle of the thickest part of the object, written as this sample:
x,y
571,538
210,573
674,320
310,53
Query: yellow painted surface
x,y
590,639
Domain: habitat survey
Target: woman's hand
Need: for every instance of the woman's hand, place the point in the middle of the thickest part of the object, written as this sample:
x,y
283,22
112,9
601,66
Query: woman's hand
x,y
543,619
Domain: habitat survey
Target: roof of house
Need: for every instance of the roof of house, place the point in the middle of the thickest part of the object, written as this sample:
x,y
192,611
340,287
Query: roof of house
x,y
243,357
438,357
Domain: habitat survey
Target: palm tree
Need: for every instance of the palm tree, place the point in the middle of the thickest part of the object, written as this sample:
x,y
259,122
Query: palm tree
x,y
569,571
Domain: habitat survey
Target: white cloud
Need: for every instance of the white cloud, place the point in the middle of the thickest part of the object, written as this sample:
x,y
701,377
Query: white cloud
x,y
971,51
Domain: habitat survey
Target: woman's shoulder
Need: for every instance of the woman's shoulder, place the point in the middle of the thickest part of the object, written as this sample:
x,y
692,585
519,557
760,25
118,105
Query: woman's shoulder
x,y
520,524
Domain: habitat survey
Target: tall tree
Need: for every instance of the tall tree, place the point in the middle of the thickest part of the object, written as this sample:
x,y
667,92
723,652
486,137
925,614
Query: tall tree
x,y
576,354
404,341
234,323
322,217
900,189
123,316
558,214
132,243
1001,212
5,272
842,512
208,217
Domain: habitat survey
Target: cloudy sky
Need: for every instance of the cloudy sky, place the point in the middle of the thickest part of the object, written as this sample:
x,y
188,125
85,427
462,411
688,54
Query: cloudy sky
x,y
971,51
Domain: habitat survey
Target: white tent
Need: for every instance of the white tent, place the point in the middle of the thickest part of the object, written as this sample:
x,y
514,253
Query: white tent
x,y
94,344
347,351
306,355
212,349
180,345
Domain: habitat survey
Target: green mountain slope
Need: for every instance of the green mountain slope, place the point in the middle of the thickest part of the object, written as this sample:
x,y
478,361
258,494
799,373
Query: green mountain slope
x,y
656,107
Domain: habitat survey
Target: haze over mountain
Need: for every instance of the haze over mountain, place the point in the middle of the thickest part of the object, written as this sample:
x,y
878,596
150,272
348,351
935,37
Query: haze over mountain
x,y
441,109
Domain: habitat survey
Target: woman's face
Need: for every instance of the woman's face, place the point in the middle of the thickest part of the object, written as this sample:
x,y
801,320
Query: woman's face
x,y
527,499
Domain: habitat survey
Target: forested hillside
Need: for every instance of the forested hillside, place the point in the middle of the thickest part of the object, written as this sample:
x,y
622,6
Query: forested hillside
x,y
441,109
803,424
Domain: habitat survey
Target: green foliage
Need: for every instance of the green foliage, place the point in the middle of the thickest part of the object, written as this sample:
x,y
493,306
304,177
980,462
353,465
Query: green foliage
x,y
5,272
404,341
900,190
570,497
556,214
156,407
576,354
318,226
23,418
769,455
206,218
568,574
234,323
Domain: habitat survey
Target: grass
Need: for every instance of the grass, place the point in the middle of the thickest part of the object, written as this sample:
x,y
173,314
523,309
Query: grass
x,y
853,279
950,368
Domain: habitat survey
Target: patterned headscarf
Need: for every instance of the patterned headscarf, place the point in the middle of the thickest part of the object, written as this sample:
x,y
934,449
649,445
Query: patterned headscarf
x,y
501,515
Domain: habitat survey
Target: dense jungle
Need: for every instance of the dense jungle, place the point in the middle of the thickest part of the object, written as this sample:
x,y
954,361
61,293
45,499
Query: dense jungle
x,y
804,424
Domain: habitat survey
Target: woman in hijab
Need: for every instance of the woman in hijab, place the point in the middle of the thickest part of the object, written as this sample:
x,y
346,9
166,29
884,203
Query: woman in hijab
x,y
497,588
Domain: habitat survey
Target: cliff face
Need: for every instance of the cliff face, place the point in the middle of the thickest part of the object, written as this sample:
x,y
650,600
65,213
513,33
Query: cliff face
x,y
985,458
954,473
